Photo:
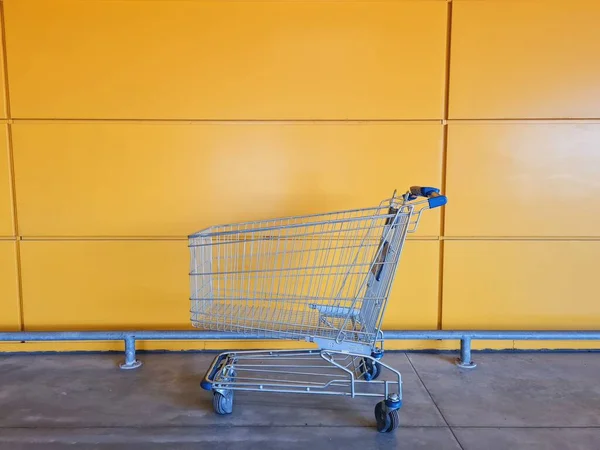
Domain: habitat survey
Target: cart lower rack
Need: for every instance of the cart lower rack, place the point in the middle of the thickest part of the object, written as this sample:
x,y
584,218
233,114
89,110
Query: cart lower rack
x,y
321,278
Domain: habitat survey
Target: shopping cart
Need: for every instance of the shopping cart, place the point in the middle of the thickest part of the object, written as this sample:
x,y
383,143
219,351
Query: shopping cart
x,y
321,278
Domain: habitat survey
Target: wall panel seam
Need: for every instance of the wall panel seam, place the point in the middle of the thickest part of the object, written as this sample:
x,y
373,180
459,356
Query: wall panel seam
x,y
216,121
148,238
523,238
532,120
12,171
446,109
409,238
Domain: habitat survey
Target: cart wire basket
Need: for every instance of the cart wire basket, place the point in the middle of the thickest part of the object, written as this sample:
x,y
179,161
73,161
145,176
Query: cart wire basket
x,y
321,278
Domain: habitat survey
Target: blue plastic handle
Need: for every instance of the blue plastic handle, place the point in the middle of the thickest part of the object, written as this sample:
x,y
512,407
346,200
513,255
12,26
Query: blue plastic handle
x,y
434,198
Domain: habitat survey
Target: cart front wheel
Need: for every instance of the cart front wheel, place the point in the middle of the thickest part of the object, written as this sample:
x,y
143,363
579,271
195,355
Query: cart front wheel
x,y
387,420
223,403
370,369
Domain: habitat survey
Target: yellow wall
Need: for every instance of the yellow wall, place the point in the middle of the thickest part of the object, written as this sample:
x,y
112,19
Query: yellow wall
x,y
126,125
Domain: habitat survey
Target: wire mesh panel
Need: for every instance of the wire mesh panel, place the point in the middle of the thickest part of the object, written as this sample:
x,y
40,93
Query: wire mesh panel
x,y
325,276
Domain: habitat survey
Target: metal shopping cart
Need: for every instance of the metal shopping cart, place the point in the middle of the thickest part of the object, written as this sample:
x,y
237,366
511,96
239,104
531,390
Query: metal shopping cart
x,y
320,278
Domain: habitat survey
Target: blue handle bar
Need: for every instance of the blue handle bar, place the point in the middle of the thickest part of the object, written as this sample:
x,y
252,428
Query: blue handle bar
x,y
434,198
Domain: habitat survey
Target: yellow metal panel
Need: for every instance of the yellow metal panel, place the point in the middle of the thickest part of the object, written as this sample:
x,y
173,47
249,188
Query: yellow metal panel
x,y
521,285
127,179
9,295
105,285
534,179
225,60
71,284
413,302
525,59
6,212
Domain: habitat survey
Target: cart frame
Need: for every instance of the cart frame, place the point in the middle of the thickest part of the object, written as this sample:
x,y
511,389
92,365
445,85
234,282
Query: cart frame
x,y
344,320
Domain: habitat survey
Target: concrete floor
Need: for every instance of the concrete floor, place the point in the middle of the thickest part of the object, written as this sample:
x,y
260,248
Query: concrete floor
x,y
547,401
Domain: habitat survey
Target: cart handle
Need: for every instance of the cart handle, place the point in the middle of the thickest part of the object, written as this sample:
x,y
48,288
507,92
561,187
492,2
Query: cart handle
x,y
434,198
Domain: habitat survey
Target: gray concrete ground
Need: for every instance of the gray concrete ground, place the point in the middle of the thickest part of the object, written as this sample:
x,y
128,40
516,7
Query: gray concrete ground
x,y
547,401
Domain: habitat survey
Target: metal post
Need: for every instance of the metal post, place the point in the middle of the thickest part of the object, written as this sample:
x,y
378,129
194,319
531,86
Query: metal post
x,y
130,361
465,361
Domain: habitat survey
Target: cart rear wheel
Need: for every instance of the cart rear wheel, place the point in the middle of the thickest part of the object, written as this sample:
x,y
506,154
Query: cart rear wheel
x,y
387,420
369,369
223,403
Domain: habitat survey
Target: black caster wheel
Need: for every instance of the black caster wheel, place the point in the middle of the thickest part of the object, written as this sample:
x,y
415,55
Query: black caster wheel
x,y
369,369
387,420
223,403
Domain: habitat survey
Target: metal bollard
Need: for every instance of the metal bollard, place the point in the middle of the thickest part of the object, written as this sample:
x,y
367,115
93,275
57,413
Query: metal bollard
x,y
465,361
130,361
